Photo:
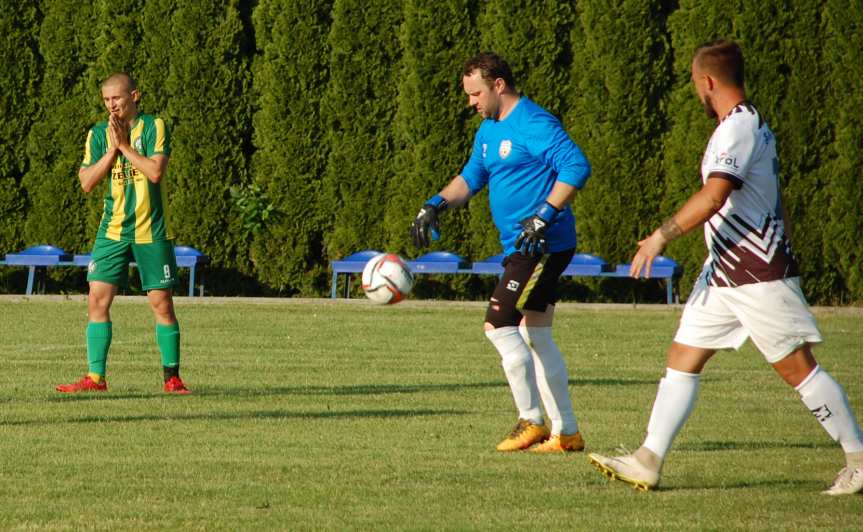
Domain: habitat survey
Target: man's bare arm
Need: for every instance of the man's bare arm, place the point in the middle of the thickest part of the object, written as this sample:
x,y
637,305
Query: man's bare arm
x,y
697,210
93,174
457,192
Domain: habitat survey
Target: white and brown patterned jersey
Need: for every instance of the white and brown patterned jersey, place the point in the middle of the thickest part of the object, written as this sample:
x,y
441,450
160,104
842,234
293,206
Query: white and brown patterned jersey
x,y
746,238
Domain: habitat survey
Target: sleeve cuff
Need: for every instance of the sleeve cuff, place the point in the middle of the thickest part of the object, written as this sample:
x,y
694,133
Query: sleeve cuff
x,y
735,180
574,179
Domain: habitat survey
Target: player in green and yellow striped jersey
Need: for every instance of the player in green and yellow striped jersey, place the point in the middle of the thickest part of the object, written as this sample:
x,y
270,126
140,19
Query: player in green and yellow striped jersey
x,y
132,150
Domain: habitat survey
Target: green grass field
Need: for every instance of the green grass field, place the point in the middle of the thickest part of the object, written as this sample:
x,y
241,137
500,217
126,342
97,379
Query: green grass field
x,y
320,415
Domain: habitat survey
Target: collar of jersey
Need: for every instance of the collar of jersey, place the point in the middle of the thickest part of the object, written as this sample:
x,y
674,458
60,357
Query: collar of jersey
x,y
514,107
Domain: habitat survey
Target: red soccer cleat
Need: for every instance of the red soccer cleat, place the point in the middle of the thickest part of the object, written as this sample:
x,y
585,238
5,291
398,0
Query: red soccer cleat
x,y
175,385
84,385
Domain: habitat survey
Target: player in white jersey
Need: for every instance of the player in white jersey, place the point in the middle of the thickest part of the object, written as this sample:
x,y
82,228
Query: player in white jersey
x,y
749,287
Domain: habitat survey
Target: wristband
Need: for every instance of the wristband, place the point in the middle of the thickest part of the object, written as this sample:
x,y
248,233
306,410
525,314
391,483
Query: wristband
x,y
547,212
438,202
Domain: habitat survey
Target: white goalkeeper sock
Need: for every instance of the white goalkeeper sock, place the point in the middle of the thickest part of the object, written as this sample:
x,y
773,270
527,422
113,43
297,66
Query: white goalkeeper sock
x,y
674,401
518,366
826,399
552,379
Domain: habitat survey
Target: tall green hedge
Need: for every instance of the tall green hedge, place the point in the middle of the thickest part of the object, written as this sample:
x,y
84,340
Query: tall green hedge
x,y
210,113
617,118
290,78
842,58
55,144
433,126
534,37
19,89
786,75
154,54
359,107
688,130
304,131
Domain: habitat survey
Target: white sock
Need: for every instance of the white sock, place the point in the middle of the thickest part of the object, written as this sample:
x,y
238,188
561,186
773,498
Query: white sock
x,y
518,366
826,399
674,401
552,379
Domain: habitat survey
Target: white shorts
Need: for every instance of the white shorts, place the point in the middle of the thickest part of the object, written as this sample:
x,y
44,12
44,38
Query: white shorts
x,y
775,314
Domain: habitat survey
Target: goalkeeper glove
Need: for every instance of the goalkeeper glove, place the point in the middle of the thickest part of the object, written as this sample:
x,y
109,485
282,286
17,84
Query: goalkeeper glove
x,y
425,225
531,240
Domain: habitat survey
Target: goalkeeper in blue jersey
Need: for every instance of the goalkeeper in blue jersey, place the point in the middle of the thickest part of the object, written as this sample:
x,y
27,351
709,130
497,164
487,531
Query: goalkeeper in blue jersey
x,y
532,169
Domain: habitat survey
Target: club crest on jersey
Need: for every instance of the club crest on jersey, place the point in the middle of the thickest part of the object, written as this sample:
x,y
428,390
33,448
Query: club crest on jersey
x,y
139,145
91,267
512,286
504,149
484,149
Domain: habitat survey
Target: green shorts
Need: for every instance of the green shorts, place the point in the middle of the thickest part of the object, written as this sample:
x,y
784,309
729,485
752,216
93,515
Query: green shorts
x,y
157,265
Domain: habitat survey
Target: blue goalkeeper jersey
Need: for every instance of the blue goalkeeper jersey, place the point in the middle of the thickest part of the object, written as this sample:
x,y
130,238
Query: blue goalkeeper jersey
x,y
520,158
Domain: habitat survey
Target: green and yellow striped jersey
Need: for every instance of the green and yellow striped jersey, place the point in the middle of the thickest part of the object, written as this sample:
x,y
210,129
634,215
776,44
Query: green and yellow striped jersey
x,y
135,208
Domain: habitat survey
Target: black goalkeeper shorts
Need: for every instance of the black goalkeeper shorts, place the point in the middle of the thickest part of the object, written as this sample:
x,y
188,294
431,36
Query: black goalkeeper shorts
x,y
528,283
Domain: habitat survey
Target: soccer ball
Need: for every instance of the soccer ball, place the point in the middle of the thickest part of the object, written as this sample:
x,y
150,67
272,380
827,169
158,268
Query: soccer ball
x,y
387,279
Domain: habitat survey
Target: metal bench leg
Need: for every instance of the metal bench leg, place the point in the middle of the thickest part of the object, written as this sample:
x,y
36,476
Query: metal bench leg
x,y
192,281
669,290
334,285
30,276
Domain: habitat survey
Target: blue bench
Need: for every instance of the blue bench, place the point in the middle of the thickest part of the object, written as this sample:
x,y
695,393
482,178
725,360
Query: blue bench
x,y
442,262
45,256
38,256
349,265
582,264
489,266
189,257
663,268
430,263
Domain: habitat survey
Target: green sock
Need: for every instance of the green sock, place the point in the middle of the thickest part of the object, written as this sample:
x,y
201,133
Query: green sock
x,y
98,342
168,340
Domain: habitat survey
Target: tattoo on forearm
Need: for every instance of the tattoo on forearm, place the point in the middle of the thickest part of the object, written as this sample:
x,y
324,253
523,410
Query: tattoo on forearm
x,y
670,230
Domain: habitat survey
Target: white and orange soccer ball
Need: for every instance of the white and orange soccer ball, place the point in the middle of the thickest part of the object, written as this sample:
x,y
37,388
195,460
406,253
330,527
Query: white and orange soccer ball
x,y
387,279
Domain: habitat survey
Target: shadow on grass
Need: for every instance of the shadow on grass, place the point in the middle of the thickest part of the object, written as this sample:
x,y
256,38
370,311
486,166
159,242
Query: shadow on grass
x,y
225,416
750,445
612,382
354,389
809,485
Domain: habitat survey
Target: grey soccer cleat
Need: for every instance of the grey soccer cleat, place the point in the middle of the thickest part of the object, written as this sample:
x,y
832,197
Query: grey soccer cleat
x,y
847,482
627,469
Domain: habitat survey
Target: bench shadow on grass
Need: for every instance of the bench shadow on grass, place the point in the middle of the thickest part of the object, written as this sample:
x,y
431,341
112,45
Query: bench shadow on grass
x,y
351,389
256,414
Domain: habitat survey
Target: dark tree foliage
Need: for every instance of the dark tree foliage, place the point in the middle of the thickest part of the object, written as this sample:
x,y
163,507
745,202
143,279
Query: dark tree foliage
x,y
358,110
694,22
55,143
433,126
209,107
617,118
19,107
304,131
842,60
290,76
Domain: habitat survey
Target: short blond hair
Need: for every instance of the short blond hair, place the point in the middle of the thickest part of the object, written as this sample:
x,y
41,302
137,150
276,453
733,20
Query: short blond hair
x,y
121,77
